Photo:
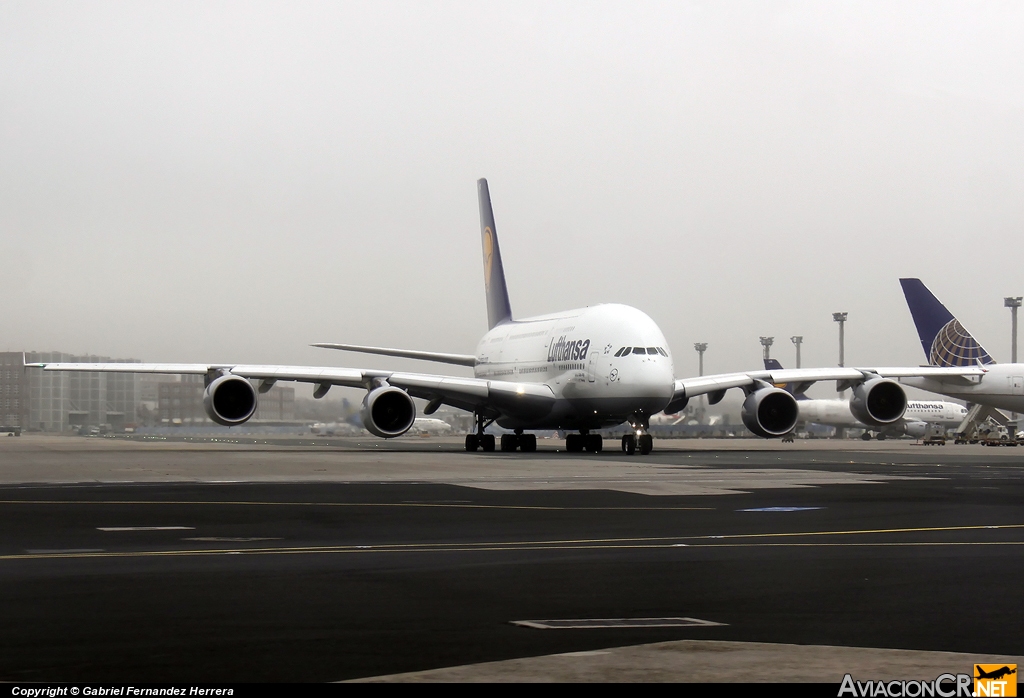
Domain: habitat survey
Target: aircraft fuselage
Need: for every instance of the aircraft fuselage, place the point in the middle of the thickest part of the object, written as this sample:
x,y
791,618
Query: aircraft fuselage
x,y
574,354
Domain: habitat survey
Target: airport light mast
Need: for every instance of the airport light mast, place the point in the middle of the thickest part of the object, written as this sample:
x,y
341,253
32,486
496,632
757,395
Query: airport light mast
x,y
767,342
1013,303
797,340
841,319
701,347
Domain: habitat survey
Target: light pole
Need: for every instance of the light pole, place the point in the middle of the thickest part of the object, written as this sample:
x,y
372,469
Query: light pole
x,y
701,347
1013,303
766,342
841,319
797,340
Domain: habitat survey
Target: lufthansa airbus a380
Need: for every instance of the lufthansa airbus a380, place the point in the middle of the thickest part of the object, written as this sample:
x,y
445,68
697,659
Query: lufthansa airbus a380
x,y
577,371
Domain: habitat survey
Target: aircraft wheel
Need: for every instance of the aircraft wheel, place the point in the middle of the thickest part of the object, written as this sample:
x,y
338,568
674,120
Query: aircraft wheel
x,y
574,443
866,436
595,443
880,437
646,444
509,442
487,442
528,443
629,444
472,442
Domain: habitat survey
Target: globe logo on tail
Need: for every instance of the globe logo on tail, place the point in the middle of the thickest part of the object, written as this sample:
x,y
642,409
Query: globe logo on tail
x,y
954,346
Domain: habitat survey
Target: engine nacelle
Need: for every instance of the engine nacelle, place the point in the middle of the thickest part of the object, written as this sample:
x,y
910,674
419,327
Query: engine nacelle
x,y
770,412
916,429
878,402
388,411
230,400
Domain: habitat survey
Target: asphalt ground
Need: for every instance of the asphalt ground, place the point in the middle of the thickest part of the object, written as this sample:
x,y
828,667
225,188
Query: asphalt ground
x,y
222,562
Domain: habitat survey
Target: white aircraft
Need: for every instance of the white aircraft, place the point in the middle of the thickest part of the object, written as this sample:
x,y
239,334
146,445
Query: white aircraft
x,y
577,370
837,413
427,425
947,343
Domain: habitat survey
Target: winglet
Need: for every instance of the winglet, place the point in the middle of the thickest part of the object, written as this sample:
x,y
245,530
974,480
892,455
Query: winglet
x,y
498,308
945,341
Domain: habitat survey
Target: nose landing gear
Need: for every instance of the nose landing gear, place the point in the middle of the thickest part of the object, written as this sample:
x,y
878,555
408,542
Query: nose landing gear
x,y
632,442
639,439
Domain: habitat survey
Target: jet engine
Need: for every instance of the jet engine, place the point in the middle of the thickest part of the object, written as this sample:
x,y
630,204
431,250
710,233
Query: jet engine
x,y
229,400
388,411
878,402
916,429
770,412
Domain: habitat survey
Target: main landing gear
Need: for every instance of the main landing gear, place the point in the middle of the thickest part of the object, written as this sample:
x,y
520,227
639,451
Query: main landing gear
x,y
584,441
526,443
480,439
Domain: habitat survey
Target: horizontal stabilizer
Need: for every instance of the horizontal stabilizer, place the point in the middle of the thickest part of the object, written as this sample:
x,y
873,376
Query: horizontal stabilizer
x,y
457,359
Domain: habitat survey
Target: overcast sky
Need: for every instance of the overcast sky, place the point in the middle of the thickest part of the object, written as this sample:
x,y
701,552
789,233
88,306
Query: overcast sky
x,y
232,181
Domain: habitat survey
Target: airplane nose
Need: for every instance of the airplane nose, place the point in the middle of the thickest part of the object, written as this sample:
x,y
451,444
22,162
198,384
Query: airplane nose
x,y
659,377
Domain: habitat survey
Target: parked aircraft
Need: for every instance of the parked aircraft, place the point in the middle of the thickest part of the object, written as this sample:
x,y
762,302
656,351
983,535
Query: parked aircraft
x,y
837,413
577,370
427,425
947,343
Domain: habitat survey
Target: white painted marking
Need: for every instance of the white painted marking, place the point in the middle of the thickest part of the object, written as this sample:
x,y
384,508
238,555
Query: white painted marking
x,y
145,528
586,623
783,509
213,539
48,551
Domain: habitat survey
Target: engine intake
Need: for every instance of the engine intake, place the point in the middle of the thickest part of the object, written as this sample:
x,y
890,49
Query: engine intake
x,y
388,412
770,412
230,400
878,402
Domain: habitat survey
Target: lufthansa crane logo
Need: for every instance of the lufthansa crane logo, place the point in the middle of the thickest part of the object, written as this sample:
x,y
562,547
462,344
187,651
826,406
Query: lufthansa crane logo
x,y
488,254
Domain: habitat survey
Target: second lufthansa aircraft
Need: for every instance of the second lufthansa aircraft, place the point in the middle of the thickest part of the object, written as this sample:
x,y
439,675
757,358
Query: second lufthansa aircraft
x,y
577,370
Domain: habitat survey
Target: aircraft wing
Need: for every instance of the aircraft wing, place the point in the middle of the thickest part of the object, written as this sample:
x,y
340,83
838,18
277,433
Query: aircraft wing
x,y
457,359
718,384
465,393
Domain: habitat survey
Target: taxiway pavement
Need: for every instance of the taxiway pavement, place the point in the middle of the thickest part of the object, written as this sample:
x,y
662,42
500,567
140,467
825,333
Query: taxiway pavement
x,y
141,560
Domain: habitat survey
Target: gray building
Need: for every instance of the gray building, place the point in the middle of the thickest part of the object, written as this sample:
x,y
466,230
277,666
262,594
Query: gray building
x,y
61,401
13,391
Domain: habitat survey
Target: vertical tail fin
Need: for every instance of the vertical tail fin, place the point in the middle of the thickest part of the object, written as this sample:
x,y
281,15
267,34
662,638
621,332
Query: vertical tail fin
x,y
945,341
797,390
498,308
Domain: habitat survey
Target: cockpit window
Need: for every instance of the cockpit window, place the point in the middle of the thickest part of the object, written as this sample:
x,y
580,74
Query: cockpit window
x,y
621,351
652,350
663,352
639,350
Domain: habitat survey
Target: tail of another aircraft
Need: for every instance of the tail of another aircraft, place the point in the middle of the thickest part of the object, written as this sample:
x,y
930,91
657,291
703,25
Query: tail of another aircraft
x,y
498,308
945,341
793,389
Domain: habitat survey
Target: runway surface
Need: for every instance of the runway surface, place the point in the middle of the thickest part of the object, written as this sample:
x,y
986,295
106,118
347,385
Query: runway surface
x,y
142,561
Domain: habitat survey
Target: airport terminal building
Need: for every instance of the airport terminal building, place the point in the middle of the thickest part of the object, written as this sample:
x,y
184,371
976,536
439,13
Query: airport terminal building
x,y
55,401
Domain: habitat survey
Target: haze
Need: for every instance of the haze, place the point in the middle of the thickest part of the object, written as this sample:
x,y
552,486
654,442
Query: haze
x,y
233,181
